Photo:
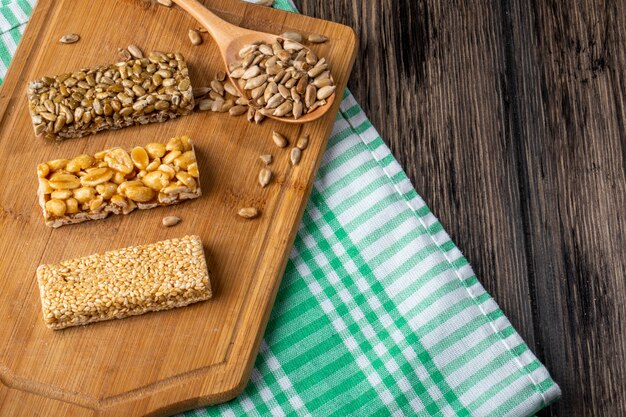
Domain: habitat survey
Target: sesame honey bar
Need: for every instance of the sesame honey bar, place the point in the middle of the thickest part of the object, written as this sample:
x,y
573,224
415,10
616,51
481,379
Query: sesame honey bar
x,y
90,187
125,282
87,101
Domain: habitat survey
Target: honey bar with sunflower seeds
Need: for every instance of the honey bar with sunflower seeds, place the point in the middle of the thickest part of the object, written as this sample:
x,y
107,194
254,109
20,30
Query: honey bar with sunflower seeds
x,y
135,92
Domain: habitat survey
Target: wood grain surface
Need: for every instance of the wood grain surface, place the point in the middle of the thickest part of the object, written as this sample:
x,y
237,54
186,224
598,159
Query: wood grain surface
x,y
509,117
160,363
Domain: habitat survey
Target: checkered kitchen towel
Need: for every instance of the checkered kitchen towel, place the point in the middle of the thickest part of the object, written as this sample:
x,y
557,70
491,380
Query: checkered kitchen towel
x,y
379,313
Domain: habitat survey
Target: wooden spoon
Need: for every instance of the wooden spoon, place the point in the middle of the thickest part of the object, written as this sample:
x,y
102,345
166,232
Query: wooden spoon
x,y
230,39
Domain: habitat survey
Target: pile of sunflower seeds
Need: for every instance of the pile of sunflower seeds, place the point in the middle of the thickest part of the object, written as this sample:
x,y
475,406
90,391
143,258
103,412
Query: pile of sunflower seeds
x,y
284,79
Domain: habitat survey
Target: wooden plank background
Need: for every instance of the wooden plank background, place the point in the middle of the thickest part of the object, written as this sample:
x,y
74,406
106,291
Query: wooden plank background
x,y
509,118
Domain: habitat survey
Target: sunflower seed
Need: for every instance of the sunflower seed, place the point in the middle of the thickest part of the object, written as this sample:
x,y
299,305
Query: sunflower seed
x,y
292,46
169,221
228,104
201,92
220,76
267,159
123,54
204,105
218,87
230,89
298,109
247,49
266,49
310,95
250,114
69,38
291,83
279,140
311,58
258,92
202,30
195,37
251,72
237,110
284,91
294,95
324,82
265,176
249,212
217,104
135,51
283,109
316,105
294,36
303,142
259,117
268,3
237,73
325,92
314,38
256,82
166,3
296,154
315,71
275,101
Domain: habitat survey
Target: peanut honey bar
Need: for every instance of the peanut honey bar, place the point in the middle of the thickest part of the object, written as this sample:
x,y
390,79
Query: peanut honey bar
x,y
125,282
90,187
90,100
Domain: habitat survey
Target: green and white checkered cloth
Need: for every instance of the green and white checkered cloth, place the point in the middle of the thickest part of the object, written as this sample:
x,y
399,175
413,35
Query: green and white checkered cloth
x,y
379,313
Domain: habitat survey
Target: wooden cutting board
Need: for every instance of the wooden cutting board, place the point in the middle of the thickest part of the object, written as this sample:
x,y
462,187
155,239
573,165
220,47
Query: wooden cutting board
x,y
161,363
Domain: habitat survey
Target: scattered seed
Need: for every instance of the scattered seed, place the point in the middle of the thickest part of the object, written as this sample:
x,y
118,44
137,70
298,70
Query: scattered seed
x,y
237,110
249,213
279,139
315,38
69,38
218,87
230,89
268,3
195,37
201,92
169,221
220,76
303,142
204,105
202,30
294,36
267,159
265,176
123,54
296,154
166,3
135,51
251,114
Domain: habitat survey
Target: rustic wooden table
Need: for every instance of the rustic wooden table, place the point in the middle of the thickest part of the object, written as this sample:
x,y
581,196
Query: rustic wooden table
x,y
510,119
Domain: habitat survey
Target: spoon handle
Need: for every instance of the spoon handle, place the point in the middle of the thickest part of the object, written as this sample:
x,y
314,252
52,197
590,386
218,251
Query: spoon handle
x,y
221,31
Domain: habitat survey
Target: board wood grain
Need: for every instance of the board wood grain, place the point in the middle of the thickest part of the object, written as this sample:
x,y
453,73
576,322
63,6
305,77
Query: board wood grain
x,y
167,362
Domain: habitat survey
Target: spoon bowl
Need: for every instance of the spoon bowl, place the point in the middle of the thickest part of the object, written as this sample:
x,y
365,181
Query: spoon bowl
x,y
230,39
